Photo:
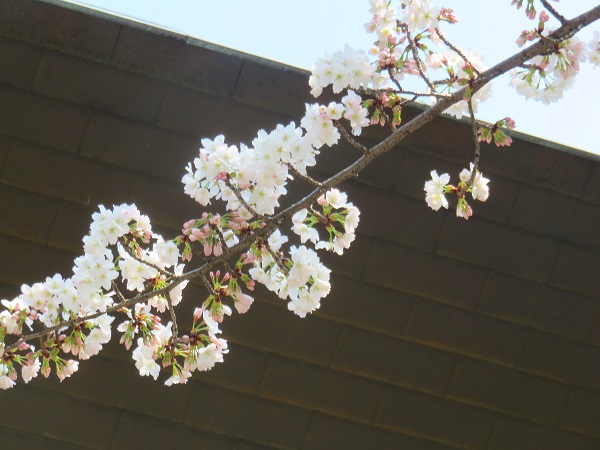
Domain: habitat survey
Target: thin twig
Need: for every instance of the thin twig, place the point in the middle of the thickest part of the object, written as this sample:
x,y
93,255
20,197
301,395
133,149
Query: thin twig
x,y
317,214
207,285
117,291
223,245
415,54
349,138
477,150
448,81
408,100
393,78
241,199
554,12
456,50
276,257
304,177
174,328
140,260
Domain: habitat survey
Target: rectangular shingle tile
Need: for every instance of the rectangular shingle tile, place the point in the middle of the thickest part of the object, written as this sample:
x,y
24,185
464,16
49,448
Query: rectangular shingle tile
x,y
577,270
312,339
396,218
352,262
71,225
118,384
582,413
137,146
24,60
383,171
164,202
20,439
274,87
336,159
544,212
366,306
424,274
27,215
538,306
427,140
562,359
87,424
178,59
18,267
206,116
240,360
595,334
508,390
321,389
5,143
98,86
435,418
393,360
53,444
42,120
517,434
60,174
141,431
592,188
247,417
540,165
59,27
466,332
510,250
330,433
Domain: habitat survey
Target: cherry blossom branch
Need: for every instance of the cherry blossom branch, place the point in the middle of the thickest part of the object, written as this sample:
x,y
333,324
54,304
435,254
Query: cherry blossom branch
x,y
567,29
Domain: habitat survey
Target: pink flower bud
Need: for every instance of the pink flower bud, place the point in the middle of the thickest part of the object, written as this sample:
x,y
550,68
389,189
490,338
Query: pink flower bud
x,y
23,346
198,314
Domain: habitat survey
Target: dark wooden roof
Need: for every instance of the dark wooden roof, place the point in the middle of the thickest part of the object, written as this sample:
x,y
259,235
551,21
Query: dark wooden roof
x,y
439,333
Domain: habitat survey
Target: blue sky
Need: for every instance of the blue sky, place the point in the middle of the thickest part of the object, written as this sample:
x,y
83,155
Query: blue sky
x,y
296,33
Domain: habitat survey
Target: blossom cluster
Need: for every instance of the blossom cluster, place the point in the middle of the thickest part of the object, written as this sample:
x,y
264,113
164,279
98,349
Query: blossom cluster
x,y
461,73
89,292
302,277
544,78
199,351
348,68
347,220
473,182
